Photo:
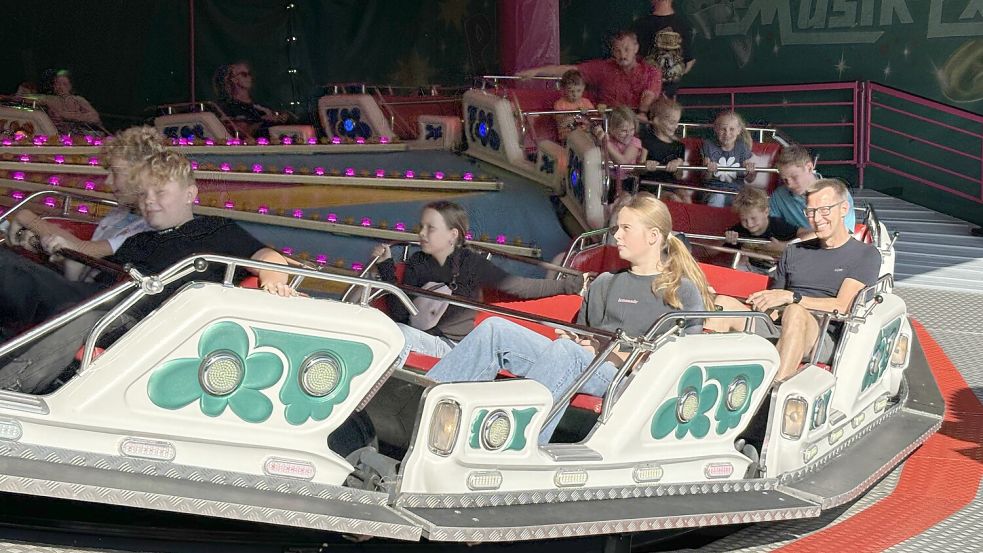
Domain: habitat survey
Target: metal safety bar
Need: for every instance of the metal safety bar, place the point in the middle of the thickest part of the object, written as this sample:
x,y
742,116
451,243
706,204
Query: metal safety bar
x,y
761,131
660,167
65,207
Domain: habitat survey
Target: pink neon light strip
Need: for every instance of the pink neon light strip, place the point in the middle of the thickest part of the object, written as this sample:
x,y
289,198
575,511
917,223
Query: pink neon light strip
x,y
925,119
923,141
769,88
925,163
794,125
874,87
925,182
774,105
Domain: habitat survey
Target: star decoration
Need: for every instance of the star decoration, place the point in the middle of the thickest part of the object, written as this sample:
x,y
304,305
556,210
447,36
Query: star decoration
x,y
413,70
906,52
757,38
774,49
584,35
841,66
887,71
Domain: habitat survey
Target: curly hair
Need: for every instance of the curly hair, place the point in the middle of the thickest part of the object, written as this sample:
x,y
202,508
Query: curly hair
x,y
132,145
162,168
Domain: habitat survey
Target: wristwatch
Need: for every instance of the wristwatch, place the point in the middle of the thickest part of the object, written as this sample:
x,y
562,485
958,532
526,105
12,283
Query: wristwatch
x,y
796,297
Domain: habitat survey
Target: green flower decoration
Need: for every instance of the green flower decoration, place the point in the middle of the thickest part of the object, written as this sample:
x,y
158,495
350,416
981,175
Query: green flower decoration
x,y
690,386
882,354
747,377
223,374
342,362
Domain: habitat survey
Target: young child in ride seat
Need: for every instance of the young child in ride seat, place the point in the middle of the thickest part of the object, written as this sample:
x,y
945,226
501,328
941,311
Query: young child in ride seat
x,y
621,144
731,149
572,84
751,205
663,147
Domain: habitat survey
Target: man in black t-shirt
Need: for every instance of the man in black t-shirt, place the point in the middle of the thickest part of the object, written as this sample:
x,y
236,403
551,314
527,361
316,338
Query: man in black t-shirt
x,y
665,40
823,274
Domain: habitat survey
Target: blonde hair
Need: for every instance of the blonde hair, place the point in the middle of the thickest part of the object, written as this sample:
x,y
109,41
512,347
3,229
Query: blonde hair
x,y
836,184
162,168
621,115
745,135
679,262
750,198
132,145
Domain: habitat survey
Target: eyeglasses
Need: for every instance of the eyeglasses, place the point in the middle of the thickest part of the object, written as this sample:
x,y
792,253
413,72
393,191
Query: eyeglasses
x,y
823,210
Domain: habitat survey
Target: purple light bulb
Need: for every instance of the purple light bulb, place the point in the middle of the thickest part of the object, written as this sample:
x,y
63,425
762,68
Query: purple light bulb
x,y
366,222
288,251
439,175
263,210
17,195
54,180
49,202
263,141
257,168
83,209
400,226
286,140
18,175
468,176
332,217
360,140
336,140
93,161
225,167
321,259
500,238
380,173
90,185
410,174
59,159
229,204
357,267
383,139
288,170
298,213
319,171
349,171
312,141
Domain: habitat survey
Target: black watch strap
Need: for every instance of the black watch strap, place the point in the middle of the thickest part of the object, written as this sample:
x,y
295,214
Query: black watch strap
x,y
796,297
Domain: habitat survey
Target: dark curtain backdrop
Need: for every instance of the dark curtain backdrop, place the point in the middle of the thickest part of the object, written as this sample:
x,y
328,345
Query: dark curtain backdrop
x,y
128,55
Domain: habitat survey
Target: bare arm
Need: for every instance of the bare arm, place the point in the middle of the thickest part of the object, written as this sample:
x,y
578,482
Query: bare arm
x,y
273,282
545,71
770,299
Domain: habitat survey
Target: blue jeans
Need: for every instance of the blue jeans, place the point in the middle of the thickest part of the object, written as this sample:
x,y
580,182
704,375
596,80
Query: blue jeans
x,y
498,344
421,342
722,200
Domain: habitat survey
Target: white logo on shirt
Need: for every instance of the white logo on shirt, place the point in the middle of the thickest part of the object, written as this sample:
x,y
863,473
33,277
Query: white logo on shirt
x,y
626,300
838,270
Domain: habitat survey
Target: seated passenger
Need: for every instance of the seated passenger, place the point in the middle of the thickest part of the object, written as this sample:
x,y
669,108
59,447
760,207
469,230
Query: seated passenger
x,y
30,293
572,85
71,114
731,149
443,259
823,274
234,87
621,145
663,147
663,277
798,172
118,155
751,205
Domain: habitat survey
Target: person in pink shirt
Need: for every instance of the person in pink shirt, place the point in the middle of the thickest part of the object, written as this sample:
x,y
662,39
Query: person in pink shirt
x,y
572,85
621,79
622,145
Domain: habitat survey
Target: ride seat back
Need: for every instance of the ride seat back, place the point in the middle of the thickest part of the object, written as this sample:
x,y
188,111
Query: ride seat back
x,y
31,122
197,125
701,218
764,154
407,110
599,259
862,232
731,282
691,156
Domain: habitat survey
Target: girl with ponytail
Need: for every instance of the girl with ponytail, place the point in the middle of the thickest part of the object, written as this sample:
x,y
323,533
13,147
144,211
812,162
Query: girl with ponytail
x,y
662,278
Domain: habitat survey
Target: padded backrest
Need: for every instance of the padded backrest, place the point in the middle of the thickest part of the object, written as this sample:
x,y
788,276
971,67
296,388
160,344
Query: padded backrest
x,y
764,154
692,145
81,229
701,218
564,308
731,282
597,259
862,232
406,111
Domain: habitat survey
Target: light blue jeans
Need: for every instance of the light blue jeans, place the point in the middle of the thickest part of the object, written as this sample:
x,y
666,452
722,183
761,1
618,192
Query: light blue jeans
x,y
498,344
421,342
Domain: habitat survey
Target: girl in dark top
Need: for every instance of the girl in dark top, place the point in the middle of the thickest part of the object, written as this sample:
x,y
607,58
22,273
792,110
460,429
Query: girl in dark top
x,y
443,259
662,144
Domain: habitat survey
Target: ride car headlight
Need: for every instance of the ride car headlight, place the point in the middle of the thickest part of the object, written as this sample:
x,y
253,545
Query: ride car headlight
x,y
687,405
221,373
737,393
319,374
495,430
794,417
444,424
900,353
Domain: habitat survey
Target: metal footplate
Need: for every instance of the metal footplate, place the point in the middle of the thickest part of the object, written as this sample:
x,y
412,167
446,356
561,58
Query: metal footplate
x,y
585,518
339,512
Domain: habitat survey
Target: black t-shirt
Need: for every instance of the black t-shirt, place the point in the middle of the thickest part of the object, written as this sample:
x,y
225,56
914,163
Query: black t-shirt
x,y
662,152
155,250
665,41
778,228
817,272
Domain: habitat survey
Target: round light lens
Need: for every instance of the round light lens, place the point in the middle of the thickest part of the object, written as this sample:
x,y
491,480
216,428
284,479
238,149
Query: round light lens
x,y
737,393
687,405
320,374
496,430
221,373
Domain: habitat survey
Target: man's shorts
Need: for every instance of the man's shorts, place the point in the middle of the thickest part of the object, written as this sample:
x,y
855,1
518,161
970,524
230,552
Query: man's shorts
x,y
827,342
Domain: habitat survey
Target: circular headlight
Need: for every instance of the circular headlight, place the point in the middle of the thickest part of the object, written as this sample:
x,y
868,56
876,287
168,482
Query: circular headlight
x,y
496,429
320,374
737,393
221,373
687,405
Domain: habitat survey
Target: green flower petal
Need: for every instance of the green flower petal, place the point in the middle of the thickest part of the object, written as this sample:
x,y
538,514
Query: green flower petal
x,y
213,405
321,410
692,378
708,398
224,335
250,405
263,370
699,426
665,420
297,413
175,384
